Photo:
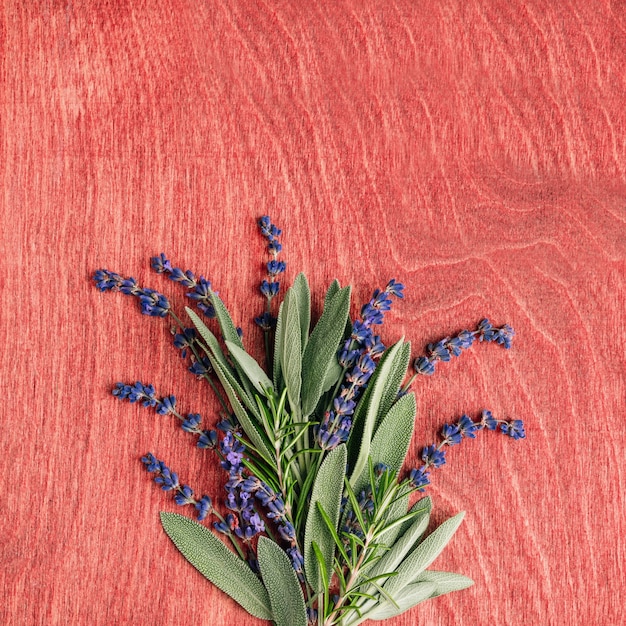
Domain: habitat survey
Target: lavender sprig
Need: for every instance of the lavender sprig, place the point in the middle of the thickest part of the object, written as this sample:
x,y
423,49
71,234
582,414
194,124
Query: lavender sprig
x,y
270,286
152,302
434,456
200,287
357,358
448,347
166,405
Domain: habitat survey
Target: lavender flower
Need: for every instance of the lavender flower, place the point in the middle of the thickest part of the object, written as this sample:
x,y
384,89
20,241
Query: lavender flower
x,y
357,358
152,302
448,347
270,286
200,287
146,395
452,434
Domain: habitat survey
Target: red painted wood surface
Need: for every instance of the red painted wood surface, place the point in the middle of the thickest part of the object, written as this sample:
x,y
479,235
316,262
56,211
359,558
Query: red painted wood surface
x,y
474,150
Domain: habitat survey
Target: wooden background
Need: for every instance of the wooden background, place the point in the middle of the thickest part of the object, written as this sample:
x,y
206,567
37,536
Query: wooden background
x,y
474,150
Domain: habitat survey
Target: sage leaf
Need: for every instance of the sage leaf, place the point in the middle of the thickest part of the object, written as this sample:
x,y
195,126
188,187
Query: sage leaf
x,y
281,582
210,340
250,368
327,490
215,350
405,599
250,428
217,563
322,348
392,367
395,379
333,288
446,582
302,295
392,558
425,553
227,326
392,439
277,372
291,353
374,401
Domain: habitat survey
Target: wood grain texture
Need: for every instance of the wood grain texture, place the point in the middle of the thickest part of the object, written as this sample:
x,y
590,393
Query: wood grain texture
x,y
474,150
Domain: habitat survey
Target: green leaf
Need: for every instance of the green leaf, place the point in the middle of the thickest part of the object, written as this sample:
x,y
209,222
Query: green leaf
x,y
327,490
333,288
404,600
392,439
446,582
322,347
250,428
250,368
291,352
374,403
277,372
215,351
425,553
395,379
282,584
302,295
402,546
210,340
217,563
227,326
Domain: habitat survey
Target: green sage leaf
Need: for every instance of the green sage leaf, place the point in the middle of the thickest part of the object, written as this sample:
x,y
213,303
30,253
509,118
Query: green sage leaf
x,y
425,553
446,582
302,295
404,600
227,326
229,373
210,340
392,439
250,368
327,490
333,288
251,429
282,584
217,563
322,348
392,367
291,355
395,379
277,371
378,387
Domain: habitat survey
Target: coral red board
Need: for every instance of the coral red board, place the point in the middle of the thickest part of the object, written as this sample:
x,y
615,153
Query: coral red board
x,y
473,150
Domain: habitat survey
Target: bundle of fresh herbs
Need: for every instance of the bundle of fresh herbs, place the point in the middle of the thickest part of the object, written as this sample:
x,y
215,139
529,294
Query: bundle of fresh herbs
x,y
316,526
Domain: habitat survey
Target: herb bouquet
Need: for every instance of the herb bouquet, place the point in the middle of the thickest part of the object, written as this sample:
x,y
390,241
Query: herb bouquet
x,y
316,526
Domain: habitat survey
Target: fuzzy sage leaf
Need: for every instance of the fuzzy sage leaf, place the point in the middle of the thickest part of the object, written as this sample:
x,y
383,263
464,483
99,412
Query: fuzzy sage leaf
x,y
392,439
281,582
327,490
422,556
291,352
373,407
250,368
446,582
322,348
217,563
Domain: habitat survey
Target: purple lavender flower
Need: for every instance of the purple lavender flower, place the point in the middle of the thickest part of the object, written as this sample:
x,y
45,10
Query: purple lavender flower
x,y
356,356
433,456
200,287
448,347
514,429
270,286
152,302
